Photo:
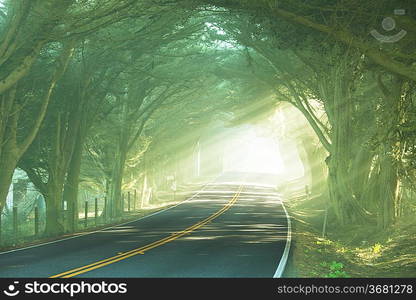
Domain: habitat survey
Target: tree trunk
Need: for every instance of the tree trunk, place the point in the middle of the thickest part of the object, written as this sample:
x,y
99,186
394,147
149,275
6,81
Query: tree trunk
x,y
8,164
388,185
59,157
360,172
118,168
9,151
343,201
315,164
72,185
116,183
53,198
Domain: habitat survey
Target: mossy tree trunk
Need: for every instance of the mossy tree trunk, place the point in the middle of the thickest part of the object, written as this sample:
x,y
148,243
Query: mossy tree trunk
x,y
72,184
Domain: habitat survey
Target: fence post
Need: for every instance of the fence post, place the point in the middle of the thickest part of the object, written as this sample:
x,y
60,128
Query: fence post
x,y
96,210
325,223
0,228
128,201
86,214
15,222
105,209
122,204
134,199
142,195
36,220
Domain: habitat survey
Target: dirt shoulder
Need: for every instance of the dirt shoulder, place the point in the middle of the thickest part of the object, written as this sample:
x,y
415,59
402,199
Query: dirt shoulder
x,y
351,251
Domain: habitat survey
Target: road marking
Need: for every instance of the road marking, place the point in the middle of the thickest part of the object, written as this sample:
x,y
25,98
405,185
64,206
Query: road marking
x,y
282,264
141,250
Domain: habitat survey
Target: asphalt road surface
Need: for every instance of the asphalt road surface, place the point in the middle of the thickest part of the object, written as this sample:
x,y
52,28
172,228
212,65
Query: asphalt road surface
x,y
234,227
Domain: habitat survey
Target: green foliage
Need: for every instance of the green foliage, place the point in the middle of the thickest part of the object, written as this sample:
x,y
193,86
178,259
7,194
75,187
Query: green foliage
x,y
336,270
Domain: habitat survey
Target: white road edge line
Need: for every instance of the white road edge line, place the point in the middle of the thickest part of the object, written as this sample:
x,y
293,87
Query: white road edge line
x,y
283,261
100,230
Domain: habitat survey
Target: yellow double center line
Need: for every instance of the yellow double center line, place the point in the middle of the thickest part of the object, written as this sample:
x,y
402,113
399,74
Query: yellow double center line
x,y
141,250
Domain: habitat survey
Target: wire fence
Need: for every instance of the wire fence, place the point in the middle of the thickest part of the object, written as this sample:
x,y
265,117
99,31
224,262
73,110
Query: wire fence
x,y
25,220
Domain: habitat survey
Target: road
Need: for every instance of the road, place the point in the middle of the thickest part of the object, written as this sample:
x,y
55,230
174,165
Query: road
x,y
233,227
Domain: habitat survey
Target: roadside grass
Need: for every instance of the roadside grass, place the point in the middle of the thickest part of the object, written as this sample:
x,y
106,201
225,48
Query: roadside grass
x,y
351,251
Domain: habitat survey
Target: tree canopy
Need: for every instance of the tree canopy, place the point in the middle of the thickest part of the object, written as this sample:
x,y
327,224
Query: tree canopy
x,y
100,92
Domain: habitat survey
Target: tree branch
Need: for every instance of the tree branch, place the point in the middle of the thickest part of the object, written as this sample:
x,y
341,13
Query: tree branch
x,y
62,65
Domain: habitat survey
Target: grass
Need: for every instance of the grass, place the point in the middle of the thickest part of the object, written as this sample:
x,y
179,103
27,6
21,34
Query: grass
x,y
350,251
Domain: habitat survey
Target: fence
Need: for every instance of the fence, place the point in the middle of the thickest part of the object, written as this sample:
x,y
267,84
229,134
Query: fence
x,y
17,225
